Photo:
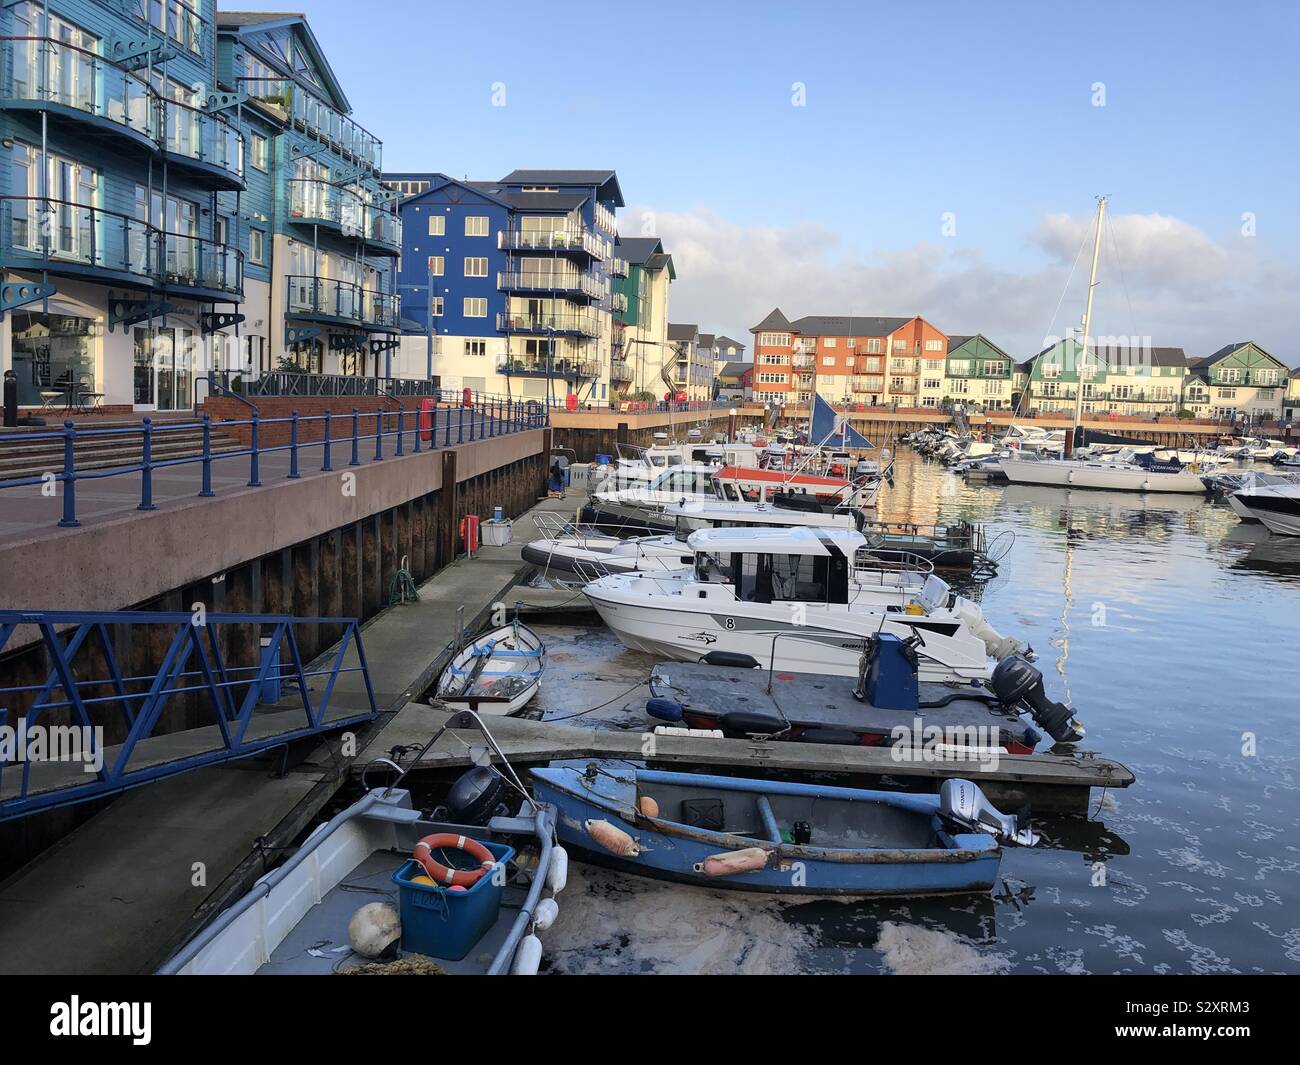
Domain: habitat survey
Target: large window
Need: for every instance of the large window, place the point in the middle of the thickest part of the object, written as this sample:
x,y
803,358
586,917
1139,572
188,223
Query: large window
x,y
774,340
178,21
476,225
53,353
437,225
475,307
476,266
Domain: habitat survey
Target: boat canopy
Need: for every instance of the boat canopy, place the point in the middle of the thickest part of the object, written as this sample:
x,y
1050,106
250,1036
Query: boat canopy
x,y
797,541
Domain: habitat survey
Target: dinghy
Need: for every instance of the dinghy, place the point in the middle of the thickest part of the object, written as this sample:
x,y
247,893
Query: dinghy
x,y
778,836
497,673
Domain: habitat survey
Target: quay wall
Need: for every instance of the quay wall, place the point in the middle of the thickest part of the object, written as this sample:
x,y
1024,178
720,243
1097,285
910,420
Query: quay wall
x,y
596,433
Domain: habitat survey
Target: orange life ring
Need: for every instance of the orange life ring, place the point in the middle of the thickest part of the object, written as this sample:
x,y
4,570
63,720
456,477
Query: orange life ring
x,y
439,873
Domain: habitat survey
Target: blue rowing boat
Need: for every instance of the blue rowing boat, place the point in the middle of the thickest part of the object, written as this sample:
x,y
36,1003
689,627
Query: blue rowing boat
x,y
766,835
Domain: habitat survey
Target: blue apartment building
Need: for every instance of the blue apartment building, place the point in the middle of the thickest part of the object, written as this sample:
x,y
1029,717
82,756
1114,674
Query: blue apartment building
x,y
508,286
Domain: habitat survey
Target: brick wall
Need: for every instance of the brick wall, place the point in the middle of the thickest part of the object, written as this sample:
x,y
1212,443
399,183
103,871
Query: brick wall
x,y
273,433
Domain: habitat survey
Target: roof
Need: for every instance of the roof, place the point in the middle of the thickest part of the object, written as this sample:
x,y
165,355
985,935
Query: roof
x,y
659,261
253,18
605,181
1118,355
727,342
775,320
795,541
831,326
733,369
238,21
706,340
545,201
1209,360
682,331
636,250
955,342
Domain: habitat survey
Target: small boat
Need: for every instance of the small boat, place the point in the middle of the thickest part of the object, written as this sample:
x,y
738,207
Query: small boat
x,y
1276,505
778,836
497,673
356,894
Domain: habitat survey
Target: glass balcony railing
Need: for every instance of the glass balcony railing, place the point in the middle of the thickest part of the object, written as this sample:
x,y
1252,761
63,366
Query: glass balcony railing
x,y
326,297
43,71
288,102
318,201
88,239
553,281
580,324
532,366
203,137
618,267
561,240
620,370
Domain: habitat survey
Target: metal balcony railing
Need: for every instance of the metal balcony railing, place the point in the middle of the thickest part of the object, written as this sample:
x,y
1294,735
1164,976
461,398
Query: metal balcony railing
x,y
288,102
620,370
327,297
540,367
33,231
202,137
618,268
578,324
561,240
550,281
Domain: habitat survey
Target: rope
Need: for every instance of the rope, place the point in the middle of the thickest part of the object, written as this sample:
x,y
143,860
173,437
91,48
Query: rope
x,y
401,589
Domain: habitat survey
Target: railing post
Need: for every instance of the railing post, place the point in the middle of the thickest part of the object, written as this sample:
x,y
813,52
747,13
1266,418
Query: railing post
x,y
254,478
206,490
326,466
446,441
419,425
379,436
398,452
146,468
475,412
293,445
69,518
356,437
460,425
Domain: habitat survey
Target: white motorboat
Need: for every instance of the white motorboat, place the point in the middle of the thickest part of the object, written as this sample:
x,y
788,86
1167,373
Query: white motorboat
x,y
798,600
1127,472
637,466
1276,505
497,673
568,551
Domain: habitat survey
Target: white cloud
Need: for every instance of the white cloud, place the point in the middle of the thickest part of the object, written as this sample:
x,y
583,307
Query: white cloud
x,y
1160,277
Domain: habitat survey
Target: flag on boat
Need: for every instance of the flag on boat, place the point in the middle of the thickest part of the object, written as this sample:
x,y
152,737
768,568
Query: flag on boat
x,y
830,427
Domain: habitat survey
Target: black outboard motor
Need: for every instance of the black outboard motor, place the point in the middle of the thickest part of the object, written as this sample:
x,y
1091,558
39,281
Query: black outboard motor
x,y
1019,686
478,795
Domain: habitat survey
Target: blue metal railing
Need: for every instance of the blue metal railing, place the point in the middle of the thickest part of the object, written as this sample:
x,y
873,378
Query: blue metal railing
x,y
442,425
87,692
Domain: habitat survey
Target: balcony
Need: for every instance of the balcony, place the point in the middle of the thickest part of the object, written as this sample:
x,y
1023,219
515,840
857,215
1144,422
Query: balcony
x,y
324,299
582,242
290,104
316,202
618,267
802,361
541,367
569,283
205,143
868,384
620,370
618,302
77,87
109,247
583,325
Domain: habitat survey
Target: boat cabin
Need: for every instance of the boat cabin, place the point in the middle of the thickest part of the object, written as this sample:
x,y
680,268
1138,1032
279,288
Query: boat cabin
x,y
799,565
691,517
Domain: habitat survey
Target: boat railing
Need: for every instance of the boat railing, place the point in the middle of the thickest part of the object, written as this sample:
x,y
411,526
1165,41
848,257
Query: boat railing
x,y
870,569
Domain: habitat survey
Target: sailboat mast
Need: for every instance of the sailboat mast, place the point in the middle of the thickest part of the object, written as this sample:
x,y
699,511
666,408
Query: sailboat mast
x,y
1087,314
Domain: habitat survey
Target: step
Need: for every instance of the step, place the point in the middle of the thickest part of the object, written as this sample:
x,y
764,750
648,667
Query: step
x,y
14,467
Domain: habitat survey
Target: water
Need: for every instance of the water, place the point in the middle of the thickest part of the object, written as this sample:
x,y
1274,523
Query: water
x,y
1174,632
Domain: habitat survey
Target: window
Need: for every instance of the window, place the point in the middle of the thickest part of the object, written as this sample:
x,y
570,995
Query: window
x,y
934,382
772,378
475,307
774,340
934,345
258,152
1230,375
257,247
959,387
995,369
436,265
900,345
437,225
873,345
1227,393
829,342
828,360
256,354
959,366
1265,377
775,360
1052,369
476,348
476,266
476,225
435,306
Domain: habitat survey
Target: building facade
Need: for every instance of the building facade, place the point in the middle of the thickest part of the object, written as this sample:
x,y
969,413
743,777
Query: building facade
x,y
641,328
185,192
1239,382
977,373
691,373
509,285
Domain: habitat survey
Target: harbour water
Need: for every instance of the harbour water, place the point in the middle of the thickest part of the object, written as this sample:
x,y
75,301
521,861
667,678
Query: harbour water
x,y
1174,631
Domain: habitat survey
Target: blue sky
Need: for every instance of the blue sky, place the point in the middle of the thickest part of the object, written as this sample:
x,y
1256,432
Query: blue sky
x,y
913,112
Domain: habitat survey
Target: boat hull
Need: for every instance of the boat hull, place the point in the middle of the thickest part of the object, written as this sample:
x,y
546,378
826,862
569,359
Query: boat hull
x,y
1102,476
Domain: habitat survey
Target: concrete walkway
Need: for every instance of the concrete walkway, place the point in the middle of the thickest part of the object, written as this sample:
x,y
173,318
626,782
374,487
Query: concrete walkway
x,y
119,894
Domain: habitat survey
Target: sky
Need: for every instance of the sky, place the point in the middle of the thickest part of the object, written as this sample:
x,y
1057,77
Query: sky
x,y
940,159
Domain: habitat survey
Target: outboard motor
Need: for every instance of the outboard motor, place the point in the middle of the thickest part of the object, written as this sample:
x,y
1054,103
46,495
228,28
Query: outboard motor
x,y
963,804
1019,687
478,795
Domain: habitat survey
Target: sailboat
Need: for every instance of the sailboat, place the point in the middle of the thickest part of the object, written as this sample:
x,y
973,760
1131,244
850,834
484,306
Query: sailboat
x,y
1129,471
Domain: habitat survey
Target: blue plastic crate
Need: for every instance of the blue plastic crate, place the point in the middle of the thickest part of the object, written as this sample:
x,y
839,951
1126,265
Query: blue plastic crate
x,y
447,924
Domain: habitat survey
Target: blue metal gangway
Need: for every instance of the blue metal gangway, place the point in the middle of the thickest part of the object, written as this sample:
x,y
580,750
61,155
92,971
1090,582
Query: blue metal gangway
x,y
245,708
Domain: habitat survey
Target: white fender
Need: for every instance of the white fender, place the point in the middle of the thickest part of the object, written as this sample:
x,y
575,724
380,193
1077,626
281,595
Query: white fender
x,y
557,877
547,911
528,957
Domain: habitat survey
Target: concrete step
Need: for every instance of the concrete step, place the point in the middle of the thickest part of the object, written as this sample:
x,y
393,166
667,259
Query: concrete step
x,y
18,460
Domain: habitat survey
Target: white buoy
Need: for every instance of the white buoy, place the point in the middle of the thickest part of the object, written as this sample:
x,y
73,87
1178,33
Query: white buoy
x,y
557,877
546,913
373,929
528,958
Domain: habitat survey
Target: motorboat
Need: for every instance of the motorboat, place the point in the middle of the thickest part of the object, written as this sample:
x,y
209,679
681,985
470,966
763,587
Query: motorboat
x,y
780,836
636,466
796,600
1276,505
